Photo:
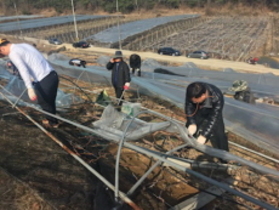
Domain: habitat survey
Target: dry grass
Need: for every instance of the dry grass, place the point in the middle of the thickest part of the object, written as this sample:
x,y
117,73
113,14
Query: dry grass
x,y
16,195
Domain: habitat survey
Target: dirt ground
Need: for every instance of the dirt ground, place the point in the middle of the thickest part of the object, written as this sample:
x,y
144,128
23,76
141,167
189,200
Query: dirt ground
x,y
36,173
43,176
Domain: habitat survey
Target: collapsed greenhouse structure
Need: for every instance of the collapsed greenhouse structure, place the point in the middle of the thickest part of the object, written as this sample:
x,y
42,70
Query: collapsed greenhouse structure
x,y
255,123
125,129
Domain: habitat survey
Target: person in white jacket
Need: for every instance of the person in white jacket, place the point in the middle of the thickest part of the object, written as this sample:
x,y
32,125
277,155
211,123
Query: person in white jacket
x,y
38,75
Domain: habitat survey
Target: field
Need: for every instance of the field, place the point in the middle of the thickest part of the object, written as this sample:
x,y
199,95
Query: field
x,y
233,38
38,174
52,179
230,38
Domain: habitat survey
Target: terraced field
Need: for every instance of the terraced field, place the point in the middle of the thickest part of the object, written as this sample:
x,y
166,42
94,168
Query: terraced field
x,y
229,38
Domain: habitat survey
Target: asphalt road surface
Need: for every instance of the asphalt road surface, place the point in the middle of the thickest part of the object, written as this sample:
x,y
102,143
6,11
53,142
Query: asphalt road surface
x,y
212,64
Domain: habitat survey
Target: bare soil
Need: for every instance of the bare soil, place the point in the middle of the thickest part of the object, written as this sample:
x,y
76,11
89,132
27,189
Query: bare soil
x,y
38,174
52,179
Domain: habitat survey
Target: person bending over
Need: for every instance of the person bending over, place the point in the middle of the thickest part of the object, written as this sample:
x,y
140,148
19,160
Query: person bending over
x,y
135,64
203,107
38,75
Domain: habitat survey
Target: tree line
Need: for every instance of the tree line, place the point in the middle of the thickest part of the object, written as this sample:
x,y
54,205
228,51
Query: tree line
x,y
126,6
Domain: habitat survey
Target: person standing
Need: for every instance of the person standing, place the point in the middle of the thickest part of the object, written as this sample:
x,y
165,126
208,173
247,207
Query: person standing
x,y
120,75
38,75
203,107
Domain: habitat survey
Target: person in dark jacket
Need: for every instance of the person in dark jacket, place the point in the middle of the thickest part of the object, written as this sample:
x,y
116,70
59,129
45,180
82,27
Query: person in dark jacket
x,y
242,92
135,64
120,75
203,107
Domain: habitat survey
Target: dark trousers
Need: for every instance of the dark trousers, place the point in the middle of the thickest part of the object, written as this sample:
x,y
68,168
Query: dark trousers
x,y
119,94
218,138
138,71
46,91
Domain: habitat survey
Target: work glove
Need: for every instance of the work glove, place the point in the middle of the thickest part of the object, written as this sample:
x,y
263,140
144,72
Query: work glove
x,y
32,95
126,86
201,139
192,129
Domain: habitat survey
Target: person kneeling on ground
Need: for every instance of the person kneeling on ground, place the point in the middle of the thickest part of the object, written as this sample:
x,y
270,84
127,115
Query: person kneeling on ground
x,y
242,92
203,107
77,62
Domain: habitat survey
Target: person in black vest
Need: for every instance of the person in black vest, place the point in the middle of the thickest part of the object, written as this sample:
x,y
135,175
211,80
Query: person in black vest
x,y
203,107
242,92
120,75
135,64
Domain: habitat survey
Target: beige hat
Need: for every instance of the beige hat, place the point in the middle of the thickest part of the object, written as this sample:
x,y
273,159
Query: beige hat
x,y
239,85
118,54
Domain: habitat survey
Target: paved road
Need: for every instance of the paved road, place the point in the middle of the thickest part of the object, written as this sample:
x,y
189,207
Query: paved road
x,y
213,64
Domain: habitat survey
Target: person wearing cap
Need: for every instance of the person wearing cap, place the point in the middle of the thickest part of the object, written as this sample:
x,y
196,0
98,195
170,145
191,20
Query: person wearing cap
x,y
203,107
38,75
242,92
120,75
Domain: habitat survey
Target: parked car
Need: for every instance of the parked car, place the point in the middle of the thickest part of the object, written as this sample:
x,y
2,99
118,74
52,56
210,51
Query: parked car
x,y
198,54
252,60
82,44
169,51
55,41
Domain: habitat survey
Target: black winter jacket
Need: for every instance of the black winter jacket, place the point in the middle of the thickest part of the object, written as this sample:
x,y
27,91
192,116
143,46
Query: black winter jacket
x,y
135,61
119,79
211,109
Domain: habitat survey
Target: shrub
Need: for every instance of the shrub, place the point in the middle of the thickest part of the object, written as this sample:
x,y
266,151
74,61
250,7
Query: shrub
x,y
25,12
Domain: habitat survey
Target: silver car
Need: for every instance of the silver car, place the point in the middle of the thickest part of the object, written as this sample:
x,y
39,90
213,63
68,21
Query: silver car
x,y
198,54
55,41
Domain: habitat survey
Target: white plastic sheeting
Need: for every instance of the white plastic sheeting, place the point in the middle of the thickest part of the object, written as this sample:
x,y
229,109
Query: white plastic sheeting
x,y
114,123
129,29
5,18
256,123
15,88
261,84
43,22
